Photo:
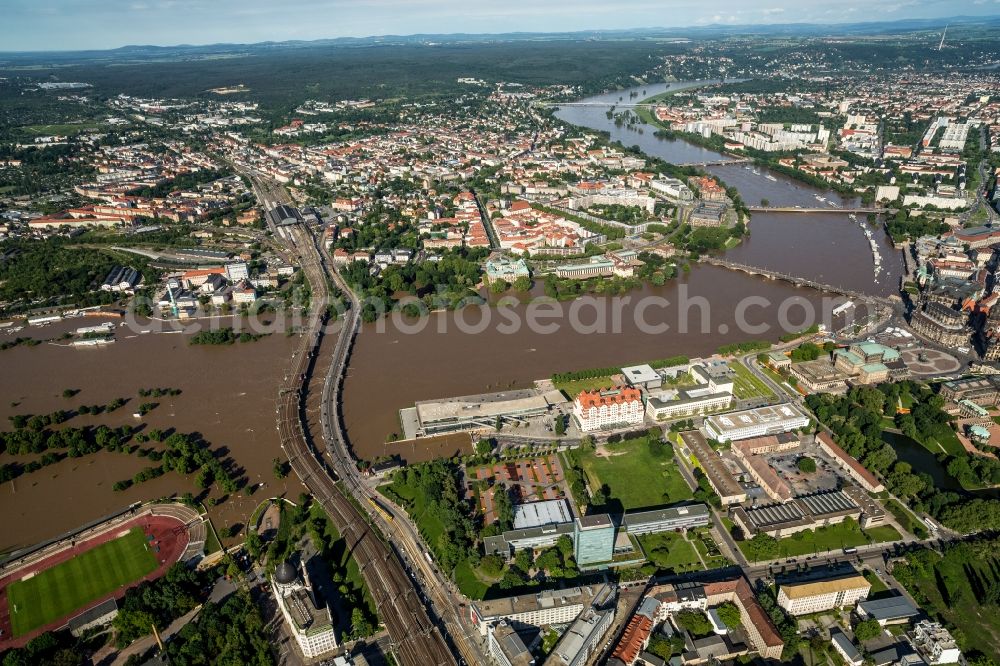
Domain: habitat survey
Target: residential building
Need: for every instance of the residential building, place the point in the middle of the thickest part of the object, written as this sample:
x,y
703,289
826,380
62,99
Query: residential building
x,y
712,393
821,595
870,363
984,391
673,189
819,376
756,446
122,279
607,408
801,513
582,638
934,643
237,271
767,478
664,520
778,360
849,464
534,610
635,638
683,403
941,324
506,648
888,610
539,514
642,376
845,648
544,536
504,268
760,630
244,293
435,417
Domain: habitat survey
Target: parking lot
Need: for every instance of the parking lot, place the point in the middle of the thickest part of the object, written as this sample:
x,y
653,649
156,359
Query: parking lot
x,y
826,476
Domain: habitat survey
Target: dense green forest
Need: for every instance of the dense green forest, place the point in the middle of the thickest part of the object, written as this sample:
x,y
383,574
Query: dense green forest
x,y
858,420
232,632
960,587
37,271
449,283
282,77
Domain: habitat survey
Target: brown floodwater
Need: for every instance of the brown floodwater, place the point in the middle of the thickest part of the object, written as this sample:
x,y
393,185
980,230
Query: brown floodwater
x,y
227,394
393,367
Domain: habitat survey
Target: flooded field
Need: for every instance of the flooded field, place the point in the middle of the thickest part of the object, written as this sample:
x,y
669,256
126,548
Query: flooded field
x,y
228,395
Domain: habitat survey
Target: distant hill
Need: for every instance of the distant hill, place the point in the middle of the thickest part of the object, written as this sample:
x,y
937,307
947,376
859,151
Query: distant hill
x,y
186,51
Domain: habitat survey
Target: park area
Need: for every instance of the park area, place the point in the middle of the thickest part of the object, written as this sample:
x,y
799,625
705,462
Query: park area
x,y
671,552
53,593
956,586
636,476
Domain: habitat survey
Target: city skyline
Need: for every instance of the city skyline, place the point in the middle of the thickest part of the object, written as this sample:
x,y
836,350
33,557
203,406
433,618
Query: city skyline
x,y
59,25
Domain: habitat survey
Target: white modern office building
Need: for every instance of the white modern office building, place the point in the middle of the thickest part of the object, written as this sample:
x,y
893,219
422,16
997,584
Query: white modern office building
x,y
758,422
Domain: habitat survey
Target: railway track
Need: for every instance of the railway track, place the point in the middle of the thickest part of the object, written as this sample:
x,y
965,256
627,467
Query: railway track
x,y
415,638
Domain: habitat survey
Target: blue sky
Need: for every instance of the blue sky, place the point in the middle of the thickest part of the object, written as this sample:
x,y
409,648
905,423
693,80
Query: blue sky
x,y
75,24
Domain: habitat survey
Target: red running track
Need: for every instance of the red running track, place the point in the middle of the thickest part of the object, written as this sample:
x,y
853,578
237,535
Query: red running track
x,y
169,534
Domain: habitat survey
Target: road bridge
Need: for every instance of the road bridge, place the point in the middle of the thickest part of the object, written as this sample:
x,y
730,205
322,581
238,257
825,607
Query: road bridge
x,y
798,281
722,161
606,105
828,209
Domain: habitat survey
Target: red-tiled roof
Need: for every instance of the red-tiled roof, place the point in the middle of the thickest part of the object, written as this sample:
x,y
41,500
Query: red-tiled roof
x,y
850,460
634,638
614,395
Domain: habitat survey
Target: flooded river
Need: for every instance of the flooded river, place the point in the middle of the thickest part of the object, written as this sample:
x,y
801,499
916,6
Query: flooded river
x,y
227,394
393,369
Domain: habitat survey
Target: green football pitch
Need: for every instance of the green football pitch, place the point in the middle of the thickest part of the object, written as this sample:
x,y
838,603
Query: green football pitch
x,y
71,585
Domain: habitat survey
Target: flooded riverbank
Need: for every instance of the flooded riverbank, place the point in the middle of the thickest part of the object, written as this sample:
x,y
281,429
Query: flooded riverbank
x,y
395,368
227,395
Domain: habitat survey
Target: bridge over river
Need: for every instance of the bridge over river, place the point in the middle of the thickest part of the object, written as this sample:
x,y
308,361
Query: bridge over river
x,y
829,209
800,281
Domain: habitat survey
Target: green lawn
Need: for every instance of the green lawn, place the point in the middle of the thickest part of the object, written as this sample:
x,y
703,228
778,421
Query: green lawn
x,y
906,520
670,551
634,476
61,128
830,538
56,592
877,585
950,590
429,525
468,582
354,592
746,385
883,533
573,388
776,377
708,549
948,440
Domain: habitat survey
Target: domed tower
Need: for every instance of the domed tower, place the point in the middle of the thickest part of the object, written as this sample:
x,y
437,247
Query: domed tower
x,y
285,576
